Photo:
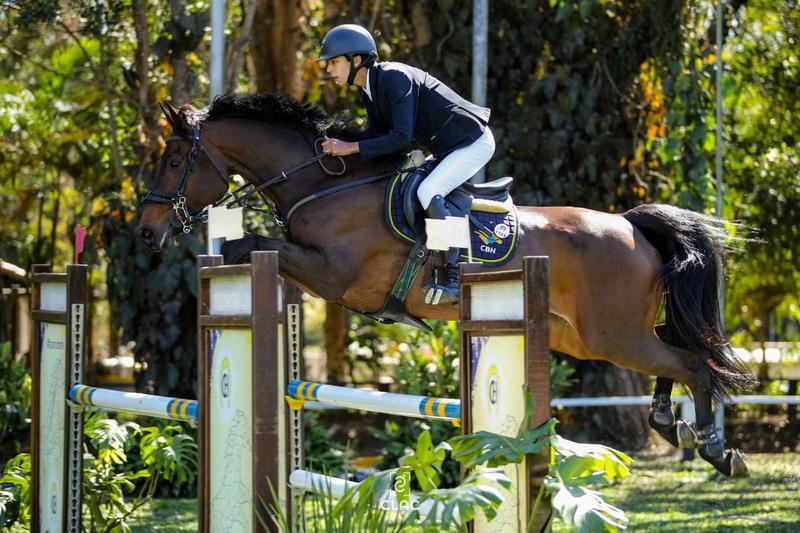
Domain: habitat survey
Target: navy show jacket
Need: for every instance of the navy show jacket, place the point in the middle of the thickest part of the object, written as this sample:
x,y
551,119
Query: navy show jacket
x,y
409,107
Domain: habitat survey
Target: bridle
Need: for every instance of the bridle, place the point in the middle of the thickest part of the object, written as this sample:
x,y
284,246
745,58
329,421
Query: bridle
x,y
182,215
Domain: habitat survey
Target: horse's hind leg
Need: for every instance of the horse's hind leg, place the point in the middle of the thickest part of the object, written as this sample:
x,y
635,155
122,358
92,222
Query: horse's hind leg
x,y
710,444
651,355
661,417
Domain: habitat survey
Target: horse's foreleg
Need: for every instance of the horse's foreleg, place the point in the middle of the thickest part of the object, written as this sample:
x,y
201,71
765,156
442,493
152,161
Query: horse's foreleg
x,y
306,266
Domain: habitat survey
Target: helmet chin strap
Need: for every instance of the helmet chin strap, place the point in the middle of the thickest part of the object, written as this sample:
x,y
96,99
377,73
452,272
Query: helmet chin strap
x,y
354,70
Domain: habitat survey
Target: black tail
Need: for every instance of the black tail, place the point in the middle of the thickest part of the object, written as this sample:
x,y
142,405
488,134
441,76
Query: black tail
x,y
692,248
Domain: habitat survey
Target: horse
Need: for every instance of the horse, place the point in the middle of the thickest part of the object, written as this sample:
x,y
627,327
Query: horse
x,y
609,273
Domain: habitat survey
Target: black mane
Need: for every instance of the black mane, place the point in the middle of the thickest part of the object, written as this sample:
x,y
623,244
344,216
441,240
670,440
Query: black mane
x,y
276,108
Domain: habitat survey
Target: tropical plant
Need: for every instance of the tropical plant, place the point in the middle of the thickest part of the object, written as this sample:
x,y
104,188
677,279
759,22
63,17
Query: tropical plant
x,y
166,454
15,400
573,467
15,491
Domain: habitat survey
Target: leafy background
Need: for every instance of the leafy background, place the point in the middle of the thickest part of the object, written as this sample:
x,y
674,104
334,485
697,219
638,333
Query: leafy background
x,y
596,103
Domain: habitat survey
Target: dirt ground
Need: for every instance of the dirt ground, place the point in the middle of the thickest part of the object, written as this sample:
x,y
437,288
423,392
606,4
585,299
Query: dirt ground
x,y
763,432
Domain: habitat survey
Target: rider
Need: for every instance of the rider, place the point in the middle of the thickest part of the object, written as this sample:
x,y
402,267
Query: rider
x,y
408,107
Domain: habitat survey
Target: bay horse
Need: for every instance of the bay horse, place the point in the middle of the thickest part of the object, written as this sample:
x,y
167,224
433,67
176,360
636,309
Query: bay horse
x,y
609,273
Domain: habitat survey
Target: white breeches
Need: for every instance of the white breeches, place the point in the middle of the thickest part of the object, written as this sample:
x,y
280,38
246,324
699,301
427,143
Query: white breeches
x,y
459,166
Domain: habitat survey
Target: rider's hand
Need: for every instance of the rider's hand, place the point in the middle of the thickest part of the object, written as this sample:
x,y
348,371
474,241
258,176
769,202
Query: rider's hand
x,y
338,147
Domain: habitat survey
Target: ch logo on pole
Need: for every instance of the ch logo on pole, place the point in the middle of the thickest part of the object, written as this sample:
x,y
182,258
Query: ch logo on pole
x,y
225,382
493,388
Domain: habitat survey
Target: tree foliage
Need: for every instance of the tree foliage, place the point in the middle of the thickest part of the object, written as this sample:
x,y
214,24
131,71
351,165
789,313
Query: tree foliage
x,y
762,165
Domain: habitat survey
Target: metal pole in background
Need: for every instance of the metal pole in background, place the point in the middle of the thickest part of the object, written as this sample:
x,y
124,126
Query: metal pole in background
x,y
719,418
217,72
480,41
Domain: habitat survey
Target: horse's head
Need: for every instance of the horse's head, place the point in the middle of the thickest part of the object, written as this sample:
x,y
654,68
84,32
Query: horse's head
x,y
188,179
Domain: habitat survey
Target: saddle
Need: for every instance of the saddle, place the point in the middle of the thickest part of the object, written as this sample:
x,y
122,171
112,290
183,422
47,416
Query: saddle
x,y
492,214
494,228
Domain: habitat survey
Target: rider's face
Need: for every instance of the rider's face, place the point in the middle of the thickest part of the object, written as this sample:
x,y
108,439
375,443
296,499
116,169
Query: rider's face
x,y
338,68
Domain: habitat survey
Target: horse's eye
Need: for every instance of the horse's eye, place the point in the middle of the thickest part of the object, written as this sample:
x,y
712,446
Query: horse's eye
x,y
173,163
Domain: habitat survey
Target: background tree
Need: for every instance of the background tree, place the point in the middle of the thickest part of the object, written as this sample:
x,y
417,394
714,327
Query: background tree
x,y
762,166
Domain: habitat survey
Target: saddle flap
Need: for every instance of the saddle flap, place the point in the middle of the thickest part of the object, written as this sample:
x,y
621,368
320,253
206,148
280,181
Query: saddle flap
x,y
408,192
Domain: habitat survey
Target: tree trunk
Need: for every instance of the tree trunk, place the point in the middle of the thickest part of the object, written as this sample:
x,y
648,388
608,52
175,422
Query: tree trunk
x,y
150,128
181,91
629,421
625,427
274,47
235,47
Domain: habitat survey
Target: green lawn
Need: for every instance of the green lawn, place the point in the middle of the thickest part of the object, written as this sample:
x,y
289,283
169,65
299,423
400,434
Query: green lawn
x,y
660,495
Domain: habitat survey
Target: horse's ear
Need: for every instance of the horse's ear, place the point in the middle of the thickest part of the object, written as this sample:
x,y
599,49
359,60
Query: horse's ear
x,y
170,113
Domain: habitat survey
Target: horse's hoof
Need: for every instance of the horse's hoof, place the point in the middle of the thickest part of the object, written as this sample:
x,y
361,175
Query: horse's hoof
x,y
237,251
661,413
738,466
668,432
663,418
687,438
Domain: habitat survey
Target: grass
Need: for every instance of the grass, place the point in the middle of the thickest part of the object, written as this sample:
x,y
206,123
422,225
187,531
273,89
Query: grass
x,y
660,495
167,516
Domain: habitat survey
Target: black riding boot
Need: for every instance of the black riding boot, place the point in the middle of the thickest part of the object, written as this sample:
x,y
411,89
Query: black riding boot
x,y
446,292
450,286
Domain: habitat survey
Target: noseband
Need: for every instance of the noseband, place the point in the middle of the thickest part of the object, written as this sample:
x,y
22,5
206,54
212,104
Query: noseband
x,y
182,214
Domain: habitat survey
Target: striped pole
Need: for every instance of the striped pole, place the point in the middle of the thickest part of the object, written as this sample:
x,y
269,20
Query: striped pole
x,y
131,402
376,401
323,485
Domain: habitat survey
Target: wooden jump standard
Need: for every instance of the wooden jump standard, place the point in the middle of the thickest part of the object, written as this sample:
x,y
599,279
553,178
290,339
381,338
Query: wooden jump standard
x,y
241,325
504,348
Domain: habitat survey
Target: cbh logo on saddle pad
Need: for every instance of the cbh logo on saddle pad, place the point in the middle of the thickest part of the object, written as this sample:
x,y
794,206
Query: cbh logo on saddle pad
x,y
494,226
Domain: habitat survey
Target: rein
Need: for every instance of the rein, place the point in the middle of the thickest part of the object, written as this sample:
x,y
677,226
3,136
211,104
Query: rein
x,y
184,218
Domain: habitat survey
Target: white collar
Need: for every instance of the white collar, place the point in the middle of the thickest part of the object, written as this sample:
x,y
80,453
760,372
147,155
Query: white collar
x,y
366,88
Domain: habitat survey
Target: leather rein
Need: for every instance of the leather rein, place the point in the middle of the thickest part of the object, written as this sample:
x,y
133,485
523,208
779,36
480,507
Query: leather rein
x,y
183,217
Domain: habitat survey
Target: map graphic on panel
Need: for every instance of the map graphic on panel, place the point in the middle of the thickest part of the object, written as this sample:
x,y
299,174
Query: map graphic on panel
x,y
230,436
52,343
231,501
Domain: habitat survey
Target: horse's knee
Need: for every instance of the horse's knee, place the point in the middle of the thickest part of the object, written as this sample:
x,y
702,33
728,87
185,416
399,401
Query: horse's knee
x,y
238,251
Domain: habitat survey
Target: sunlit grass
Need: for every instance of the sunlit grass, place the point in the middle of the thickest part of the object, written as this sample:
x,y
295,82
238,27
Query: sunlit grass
x,y
662,494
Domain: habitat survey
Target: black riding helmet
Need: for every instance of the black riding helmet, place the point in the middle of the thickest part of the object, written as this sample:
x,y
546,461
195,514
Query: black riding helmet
x,y
349,40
